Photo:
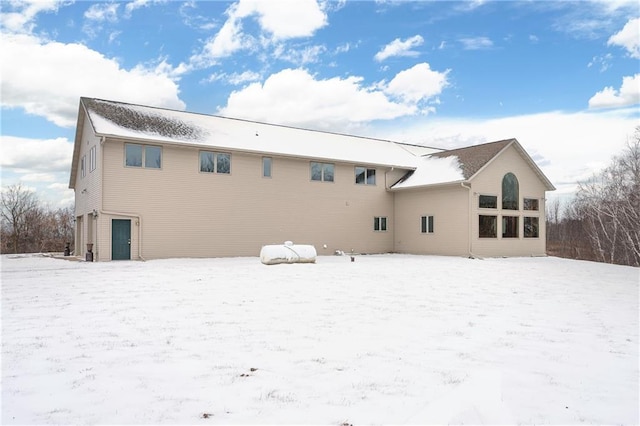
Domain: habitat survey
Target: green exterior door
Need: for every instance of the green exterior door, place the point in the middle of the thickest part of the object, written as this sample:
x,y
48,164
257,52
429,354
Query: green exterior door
x,y
120,239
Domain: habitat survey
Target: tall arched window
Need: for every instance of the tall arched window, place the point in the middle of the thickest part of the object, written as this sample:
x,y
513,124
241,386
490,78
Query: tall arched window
x,y
510,192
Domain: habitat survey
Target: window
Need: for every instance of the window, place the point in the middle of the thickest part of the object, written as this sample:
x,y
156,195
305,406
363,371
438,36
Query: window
x,y
530,204
487,226
531,227
426,224
509,226
215,162
147,156
92,159
365,176
322,172
152,157
488,202
379,223
510,193
133,155
83,168
266,166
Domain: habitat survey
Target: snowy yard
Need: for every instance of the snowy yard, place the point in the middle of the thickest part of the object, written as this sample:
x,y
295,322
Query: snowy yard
x,y
385,339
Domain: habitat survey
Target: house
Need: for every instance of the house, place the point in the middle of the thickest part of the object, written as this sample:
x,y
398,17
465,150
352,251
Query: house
x,y
156,183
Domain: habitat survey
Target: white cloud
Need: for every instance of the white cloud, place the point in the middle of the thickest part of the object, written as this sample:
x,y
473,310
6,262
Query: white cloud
x,y
48,78
284,19
417,83
279,20
293,96
102,12
628,37
628,94
36,156
299,57
235,78
568,147
400,48
476,43
20,19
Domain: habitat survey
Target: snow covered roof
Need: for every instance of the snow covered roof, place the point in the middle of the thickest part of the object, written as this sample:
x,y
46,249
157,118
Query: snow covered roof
x,y
432,171
116,119
426,166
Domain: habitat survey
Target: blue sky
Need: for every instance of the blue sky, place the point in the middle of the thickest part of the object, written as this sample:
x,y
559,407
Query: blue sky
x,y
561,77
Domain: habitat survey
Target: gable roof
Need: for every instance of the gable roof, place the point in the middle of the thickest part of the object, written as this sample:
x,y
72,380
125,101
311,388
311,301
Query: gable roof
x,y
473,158
157,125
464,165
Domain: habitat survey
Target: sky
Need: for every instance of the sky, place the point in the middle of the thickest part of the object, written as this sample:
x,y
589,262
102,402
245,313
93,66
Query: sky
x,y
561,77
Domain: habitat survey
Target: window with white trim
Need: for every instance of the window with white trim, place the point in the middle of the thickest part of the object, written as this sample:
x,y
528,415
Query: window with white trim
x,y
487,226
365,176
215,162
509,226
380,223
147,156
92,159
530,204
322,172
426,224
83,167
266,166
487,201
531,227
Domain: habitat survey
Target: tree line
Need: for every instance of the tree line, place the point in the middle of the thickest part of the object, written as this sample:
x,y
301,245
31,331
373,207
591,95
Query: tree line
x,y
30,226
602,222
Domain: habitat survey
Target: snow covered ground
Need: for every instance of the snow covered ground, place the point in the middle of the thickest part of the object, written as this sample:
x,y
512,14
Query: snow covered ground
x,y
385,339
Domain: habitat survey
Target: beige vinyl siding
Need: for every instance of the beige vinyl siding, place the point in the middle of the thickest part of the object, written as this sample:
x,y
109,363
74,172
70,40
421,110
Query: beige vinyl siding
x,y
186,213
489,182
448,205
87,192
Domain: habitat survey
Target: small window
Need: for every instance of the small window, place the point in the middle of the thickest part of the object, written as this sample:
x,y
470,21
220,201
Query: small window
x,y
83,167
266,166
92,159
487,226
426,224
152,157
509,226
215,162
530,204
531,229
133,155
379,223
365,176
321,172
488,202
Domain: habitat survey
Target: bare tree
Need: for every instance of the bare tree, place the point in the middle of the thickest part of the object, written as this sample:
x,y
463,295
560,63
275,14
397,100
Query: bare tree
x,y
29,226
18,206
610,208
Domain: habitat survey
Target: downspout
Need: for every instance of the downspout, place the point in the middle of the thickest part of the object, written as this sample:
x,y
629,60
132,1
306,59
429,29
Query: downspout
x,y
393,195
469,236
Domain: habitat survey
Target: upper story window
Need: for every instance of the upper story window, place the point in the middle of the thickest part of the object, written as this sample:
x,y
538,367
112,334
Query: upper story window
x,y
365,176
92,159
266,166
510,192
530,204
83,166
488,202
322,172
147,156
215,162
